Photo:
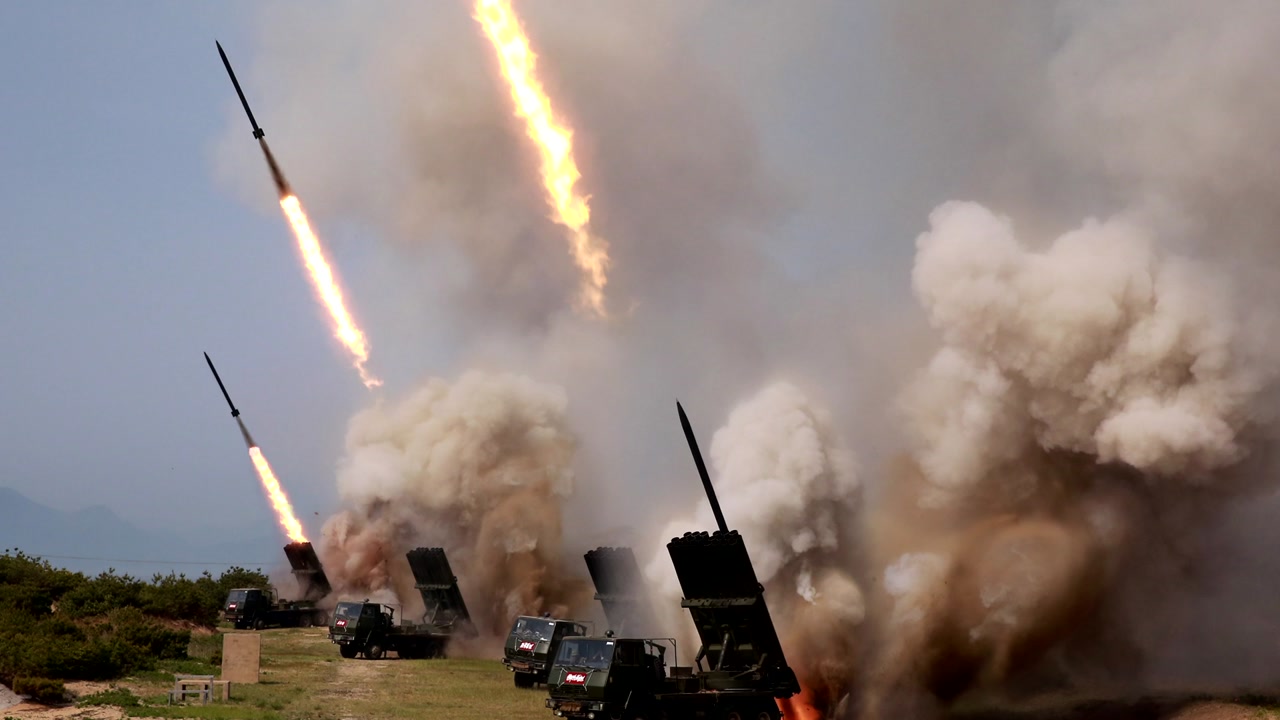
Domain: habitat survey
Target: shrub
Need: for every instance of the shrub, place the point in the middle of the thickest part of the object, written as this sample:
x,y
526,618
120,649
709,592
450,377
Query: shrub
x,y
119,697
58,624
40,690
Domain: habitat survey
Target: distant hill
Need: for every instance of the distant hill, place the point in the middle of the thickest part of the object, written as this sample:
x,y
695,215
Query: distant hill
x,y
94,539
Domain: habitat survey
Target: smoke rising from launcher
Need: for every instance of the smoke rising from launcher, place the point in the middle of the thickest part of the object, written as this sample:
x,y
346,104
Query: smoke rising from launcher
x,y
791,489
1102,396
480,466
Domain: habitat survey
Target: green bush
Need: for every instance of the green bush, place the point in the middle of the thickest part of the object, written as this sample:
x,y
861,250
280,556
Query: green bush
x,y
130,626
61,625
40,690
119,697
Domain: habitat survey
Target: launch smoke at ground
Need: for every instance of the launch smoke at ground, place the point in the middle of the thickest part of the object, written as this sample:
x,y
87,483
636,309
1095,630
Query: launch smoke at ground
x,y
1102,392
480,466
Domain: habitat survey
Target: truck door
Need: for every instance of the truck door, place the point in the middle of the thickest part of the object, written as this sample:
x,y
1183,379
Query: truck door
x,y
370,623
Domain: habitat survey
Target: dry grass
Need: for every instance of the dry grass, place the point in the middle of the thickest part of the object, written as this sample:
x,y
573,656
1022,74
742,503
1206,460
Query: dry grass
x,y
303,677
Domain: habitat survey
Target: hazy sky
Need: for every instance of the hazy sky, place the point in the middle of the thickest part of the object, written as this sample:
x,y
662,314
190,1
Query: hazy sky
x,y
126,251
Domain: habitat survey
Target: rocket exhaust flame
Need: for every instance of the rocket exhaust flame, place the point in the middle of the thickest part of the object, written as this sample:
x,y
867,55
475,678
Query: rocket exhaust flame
x,y
799,707
326,287
279,501
554,142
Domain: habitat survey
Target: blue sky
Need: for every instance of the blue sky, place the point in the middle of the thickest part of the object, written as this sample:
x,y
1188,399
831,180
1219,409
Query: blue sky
x,y
123,260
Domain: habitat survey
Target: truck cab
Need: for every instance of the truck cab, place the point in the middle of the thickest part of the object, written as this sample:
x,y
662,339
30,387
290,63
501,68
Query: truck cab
x,y
605,677
533,643
360,627
246,607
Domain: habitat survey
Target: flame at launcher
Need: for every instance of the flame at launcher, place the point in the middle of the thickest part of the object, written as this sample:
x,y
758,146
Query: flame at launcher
x,y
326,286
554,142
800,706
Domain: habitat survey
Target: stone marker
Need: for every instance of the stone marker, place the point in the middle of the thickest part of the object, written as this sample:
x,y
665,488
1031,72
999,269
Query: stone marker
x,y
241,653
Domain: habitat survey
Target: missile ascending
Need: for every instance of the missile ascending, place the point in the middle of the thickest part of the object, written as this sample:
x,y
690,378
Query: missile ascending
x,y
281,184
234,412
257,131
702,468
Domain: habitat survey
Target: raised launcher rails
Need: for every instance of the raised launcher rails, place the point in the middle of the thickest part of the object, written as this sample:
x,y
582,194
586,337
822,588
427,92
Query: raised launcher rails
x,y
438,586
313,584
620,590
739,672
740,647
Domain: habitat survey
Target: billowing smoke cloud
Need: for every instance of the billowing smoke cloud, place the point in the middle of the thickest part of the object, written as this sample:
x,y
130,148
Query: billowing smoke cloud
x,y
1097,345
479,466
791,488
1101,394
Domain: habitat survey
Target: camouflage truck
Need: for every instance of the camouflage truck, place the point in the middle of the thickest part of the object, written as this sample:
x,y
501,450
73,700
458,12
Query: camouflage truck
x,y
739,672
369,629
532,644
259,608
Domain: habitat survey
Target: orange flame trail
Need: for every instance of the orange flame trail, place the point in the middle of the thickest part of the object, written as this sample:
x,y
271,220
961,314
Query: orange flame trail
x,y
555,145
280,501
326,286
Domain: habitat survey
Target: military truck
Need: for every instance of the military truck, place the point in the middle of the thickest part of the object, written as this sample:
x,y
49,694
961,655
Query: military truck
x,y
739,671
532,644
369,629
259,608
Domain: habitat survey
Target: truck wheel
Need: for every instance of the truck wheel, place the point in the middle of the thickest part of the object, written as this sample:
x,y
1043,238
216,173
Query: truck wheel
x,y
320,619
524,680
348,651
259,624
374,652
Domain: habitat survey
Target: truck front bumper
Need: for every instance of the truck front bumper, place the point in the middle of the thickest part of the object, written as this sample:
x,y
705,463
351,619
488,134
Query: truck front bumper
x,y
577,708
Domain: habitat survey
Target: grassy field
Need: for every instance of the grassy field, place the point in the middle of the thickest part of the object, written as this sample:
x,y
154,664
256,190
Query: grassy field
x,y
303,677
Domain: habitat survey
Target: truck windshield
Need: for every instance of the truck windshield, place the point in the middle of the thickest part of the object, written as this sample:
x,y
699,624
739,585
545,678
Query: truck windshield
x,y
539,628
237,596
583,653
347,610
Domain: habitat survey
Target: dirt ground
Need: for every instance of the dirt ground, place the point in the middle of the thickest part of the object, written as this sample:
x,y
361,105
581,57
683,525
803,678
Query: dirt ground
x,y
31,711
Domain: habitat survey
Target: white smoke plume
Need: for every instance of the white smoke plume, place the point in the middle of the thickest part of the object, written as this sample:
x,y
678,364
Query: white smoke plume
x,y
1101,395
789,486
1096,345
478,466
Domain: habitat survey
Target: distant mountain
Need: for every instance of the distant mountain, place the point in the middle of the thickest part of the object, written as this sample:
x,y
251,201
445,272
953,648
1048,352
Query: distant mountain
x,y
94,539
